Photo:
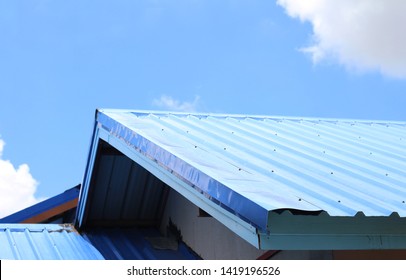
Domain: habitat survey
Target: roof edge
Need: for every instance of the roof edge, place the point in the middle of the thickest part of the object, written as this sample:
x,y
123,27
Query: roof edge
x,y
254,116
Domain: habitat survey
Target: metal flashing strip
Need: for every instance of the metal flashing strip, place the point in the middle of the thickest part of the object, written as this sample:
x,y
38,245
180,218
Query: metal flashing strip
x,y
322,232
143,113
84,191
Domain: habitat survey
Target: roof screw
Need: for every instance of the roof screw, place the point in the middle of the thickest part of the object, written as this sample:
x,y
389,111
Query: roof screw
x,y
273,171
386,174
239,169
339,201
195,146
300,199
403,201
331,172
225,149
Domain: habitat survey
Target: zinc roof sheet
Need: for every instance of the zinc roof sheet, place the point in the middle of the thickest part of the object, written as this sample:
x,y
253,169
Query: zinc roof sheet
x,y
126,194
44,242
136,244
254,164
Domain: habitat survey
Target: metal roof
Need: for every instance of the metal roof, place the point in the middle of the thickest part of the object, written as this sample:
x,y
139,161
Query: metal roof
x,y
126,194
248,167
44,242
46,210
137,244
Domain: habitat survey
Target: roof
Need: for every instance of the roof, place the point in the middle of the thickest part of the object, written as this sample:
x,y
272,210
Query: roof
x,y
46,210
47,242
250,169
137,244
123,187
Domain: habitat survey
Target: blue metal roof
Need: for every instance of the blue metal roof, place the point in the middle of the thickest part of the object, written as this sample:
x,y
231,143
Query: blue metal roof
x,y
251,166
47,209
135,244
126,193
44,242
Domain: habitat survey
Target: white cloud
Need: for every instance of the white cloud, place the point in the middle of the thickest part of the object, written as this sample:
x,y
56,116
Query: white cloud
x,y
360,34
169,103
17,186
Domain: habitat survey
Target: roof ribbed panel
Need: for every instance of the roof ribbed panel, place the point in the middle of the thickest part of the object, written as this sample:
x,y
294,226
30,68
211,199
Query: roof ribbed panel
x,y
44,242
341,167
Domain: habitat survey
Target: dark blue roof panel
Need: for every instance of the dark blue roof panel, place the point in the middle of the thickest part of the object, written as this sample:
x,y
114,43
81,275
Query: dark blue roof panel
x,y
137,244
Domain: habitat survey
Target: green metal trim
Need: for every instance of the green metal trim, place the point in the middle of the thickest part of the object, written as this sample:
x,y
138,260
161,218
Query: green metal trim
x,y
323,232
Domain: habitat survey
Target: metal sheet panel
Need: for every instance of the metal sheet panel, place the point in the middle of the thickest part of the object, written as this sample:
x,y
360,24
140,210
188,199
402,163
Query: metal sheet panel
x,y
124,193
135,244
44,242
251,165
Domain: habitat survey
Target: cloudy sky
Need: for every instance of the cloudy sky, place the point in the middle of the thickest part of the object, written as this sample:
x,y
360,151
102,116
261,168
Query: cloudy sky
x,y
60,60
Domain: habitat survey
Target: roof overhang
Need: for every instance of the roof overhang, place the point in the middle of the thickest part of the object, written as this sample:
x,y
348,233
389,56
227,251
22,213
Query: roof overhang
x,y
178,163
46,210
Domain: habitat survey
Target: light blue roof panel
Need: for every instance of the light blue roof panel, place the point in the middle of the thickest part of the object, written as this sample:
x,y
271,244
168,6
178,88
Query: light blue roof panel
x,y
315,162
251,165
44,242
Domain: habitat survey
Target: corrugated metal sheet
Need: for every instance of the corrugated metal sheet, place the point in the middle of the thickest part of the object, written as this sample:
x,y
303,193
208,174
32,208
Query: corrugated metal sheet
x,y
126,194
254,164
44,242
135,244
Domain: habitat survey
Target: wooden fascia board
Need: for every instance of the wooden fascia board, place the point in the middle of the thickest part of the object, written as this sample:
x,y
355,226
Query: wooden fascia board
x,y
41,217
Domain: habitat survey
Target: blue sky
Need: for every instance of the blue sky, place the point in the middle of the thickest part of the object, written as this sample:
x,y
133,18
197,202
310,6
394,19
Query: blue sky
x,y
60,60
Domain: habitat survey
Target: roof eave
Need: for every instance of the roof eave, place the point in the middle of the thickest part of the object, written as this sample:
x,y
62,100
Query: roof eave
x,y
289,231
